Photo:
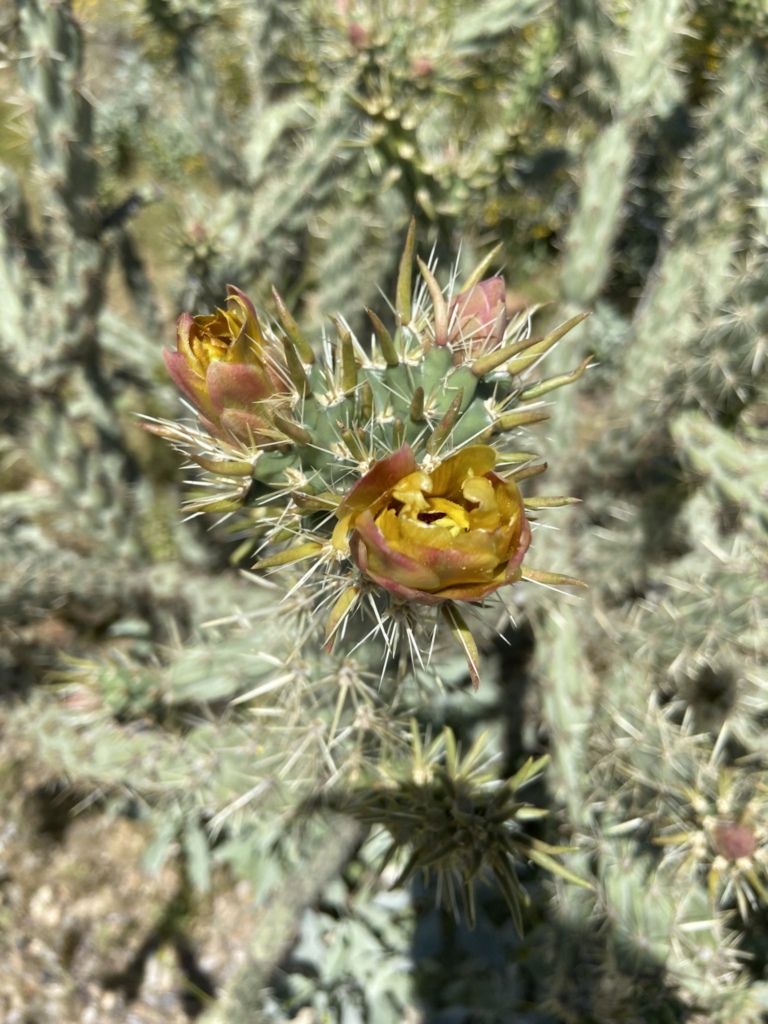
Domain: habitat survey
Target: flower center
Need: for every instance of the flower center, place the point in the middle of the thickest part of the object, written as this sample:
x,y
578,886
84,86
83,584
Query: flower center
x,y
430,517
411,499
216,336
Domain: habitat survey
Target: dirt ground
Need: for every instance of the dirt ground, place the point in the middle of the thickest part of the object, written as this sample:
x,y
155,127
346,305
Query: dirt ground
x,y
87,936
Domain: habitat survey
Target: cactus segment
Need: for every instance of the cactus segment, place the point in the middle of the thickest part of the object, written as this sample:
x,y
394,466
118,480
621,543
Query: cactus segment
x,y
488,363
355,442
515,458
398,434
404,446
339,612
366,402
222,467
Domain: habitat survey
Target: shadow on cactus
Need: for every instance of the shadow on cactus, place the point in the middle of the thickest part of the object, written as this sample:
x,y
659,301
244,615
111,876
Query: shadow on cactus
x,y
390,473
458,820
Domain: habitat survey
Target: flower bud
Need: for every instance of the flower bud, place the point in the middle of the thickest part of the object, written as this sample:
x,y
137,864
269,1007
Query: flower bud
x,y
733,840
225,367
454,533
477,319
358,36
422,67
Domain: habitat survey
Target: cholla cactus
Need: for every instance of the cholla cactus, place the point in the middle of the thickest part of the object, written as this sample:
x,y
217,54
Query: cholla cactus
x,y
459,821
390,473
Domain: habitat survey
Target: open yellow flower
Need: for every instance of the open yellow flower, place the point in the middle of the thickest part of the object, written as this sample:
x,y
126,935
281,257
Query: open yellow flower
x,y
454,533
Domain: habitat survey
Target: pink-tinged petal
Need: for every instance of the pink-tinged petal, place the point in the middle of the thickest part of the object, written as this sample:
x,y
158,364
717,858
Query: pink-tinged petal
x,y
213,428
250,339
471,591
466,592
237,385
456,568
191,384
514,565
394,587
378,481
246,427
470,558
180,371
233,292
406,593
478,317
483,301
374,557
185,327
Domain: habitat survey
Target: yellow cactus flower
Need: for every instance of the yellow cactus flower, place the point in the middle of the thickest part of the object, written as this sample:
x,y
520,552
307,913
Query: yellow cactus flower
x,y
456,532
225,367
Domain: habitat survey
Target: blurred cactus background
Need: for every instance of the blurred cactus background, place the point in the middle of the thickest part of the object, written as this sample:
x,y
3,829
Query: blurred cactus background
x,y
205,815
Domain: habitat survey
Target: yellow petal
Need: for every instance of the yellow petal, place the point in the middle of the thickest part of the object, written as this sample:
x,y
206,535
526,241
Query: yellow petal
x,y
477,460
341,532
450,509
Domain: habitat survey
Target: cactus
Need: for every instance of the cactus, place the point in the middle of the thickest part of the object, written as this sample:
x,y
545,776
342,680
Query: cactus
x,y
617,153
303,441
